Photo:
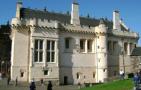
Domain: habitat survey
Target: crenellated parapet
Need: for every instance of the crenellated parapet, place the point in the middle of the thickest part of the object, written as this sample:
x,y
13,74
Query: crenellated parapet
x,y
126,34
35,22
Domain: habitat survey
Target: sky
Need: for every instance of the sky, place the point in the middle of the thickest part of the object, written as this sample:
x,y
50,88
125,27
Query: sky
x,y
130,10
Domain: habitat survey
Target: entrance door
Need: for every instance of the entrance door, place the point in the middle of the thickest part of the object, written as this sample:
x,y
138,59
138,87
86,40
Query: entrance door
x,y
65,80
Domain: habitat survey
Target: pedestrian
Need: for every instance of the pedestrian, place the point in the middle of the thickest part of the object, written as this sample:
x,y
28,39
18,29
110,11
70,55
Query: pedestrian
x,y
32,86
49,87
42,81
136,80
121,73
16,81
8,80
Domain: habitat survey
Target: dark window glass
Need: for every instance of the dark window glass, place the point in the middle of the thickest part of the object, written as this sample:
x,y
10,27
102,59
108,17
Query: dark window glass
x,y
52,56
67,42
36,56
48,56
81,44
77,76
41,56
48,45
88,46
22,74
53,45
41,44
36,44
45,72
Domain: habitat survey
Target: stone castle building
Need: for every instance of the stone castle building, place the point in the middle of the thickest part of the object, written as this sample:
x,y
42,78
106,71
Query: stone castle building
x,y
68,48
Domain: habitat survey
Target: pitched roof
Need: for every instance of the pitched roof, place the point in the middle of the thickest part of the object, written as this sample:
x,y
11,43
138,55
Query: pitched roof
x,y
136,51
63,18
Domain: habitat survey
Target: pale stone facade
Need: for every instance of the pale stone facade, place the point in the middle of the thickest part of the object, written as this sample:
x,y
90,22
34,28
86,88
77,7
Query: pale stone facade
x,y
67,48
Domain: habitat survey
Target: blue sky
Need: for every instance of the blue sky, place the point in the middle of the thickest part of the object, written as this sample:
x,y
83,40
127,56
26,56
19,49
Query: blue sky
x,y
129,9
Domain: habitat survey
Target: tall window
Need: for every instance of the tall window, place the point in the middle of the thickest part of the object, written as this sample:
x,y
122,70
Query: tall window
x,y
125,48
50,57
67,43
78,75
89,45
82,45
114,45
38,51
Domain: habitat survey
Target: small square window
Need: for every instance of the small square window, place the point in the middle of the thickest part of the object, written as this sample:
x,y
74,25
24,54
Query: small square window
x,y
46,72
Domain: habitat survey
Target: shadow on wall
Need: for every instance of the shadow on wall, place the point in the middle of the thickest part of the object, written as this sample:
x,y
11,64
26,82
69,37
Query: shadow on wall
x,y
65,60
114,60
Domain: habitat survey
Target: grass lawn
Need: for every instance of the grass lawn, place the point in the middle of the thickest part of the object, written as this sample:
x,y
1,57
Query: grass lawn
x,y
115,85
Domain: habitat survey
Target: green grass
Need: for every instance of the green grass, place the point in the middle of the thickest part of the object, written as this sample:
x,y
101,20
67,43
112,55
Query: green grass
x,y
115,85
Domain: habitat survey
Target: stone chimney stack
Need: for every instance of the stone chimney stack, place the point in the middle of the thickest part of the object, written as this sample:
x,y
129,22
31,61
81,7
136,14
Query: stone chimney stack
x,y
75,14
19,6
116,20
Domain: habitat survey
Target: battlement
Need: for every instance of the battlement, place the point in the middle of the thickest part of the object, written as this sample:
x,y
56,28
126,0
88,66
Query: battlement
x,y
35,22
125,34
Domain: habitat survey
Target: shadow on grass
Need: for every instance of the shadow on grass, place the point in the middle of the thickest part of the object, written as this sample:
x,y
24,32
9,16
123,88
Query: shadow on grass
x,y
115,85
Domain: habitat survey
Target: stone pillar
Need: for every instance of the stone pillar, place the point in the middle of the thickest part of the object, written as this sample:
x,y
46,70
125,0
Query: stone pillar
x,y
44,52
128,49
93,46
86,43
57,52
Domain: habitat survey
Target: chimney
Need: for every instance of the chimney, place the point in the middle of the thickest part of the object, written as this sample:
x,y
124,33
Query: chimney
x,y
19,6
75,14
116,20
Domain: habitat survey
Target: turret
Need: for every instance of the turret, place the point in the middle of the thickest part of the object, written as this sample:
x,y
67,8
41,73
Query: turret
x,y
116,20
75,14
101,52
19,6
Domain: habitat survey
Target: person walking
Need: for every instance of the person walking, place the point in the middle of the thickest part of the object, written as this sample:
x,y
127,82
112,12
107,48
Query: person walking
x,y
121,73
16,81
8,80
49,87
136,80
32,86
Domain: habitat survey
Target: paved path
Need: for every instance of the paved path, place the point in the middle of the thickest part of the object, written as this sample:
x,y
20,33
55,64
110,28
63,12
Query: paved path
x,y
4,86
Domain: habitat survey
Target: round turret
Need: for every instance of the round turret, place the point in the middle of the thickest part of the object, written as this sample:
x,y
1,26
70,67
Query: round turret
x,y
101,52
101,29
